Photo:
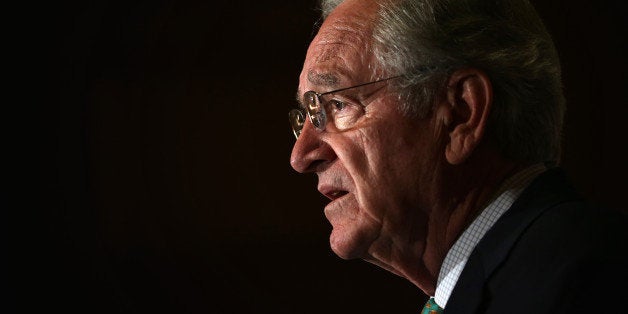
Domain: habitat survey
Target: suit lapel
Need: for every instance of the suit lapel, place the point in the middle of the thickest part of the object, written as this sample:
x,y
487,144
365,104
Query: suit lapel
x,y
546,191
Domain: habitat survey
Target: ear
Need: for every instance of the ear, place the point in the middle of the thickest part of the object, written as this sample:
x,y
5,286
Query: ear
x,y
469,98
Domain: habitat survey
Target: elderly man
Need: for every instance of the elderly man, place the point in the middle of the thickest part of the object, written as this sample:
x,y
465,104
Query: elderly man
x,y
434,128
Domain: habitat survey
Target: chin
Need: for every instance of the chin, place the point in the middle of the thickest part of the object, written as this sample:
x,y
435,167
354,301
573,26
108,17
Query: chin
x,y
347,246
342,251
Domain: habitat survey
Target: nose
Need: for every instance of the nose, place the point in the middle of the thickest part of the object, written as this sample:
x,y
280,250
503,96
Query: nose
x,y
310,153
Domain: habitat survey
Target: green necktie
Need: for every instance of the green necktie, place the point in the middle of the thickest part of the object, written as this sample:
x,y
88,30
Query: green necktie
x,y
431,307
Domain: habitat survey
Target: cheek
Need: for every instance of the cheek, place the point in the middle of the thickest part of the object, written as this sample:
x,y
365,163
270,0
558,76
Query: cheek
x,y
388,168
371,160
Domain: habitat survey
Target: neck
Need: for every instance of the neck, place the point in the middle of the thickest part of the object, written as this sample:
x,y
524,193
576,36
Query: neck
x,y
465,190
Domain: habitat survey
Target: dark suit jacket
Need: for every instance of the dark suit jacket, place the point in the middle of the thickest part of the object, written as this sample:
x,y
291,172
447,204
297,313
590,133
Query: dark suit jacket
x,y
551,252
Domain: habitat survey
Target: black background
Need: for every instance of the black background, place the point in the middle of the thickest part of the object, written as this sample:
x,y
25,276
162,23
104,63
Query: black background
x,y
149,157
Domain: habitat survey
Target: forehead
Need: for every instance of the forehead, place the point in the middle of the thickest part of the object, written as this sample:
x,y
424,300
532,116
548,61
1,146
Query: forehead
x,y
341,53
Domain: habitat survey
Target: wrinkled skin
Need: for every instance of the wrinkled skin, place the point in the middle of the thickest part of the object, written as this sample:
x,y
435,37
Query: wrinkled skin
x,y
402,188
386,162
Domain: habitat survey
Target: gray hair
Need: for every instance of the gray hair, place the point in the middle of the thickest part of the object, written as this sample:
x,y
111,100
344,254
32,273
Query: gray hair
x,y
427,40
328,5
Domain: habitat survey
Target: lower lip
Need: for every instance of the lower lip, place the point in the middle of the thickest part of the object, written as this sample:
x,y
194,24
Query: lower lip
x,y
335,202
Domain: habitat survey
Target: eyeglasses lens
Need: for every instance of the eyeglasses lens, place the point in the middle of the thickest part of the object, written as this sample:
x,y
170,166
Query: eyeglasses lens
x,y
316,113
297,119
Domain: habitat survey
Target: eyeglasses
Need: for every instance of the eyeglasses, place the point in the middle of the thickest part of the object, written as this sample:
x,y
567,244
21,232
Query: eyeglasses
x,y
342,110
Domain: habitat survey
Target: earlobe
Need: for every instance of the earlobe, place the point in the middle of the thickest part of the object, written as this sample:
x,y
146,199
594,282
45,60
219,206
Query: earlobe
x,y
470,96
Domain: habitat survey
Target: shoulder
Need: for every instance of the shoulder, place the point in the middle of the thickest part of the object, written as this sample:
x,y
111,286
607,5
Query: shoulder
x,y
575,224
573,231
551,252
571,253
551,212
567,227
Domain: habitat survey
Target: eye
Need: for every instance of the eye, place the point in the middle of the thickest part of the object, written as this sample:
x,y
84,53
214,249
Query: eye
x,y
337,105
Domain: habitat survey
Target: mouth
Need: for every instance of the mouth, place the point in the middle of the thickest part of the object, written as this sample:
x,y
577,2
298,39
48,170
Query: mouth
x,y
335,194
338,195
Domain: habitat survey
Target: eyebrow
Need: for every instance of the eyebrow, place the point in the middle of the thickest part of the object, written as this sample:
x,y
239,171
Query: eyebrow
x,y
323,79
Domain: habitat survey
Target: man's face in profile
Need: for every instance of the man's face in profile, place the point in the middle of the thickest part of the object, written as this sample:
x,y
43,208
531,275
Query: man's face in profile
x,y
377,174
